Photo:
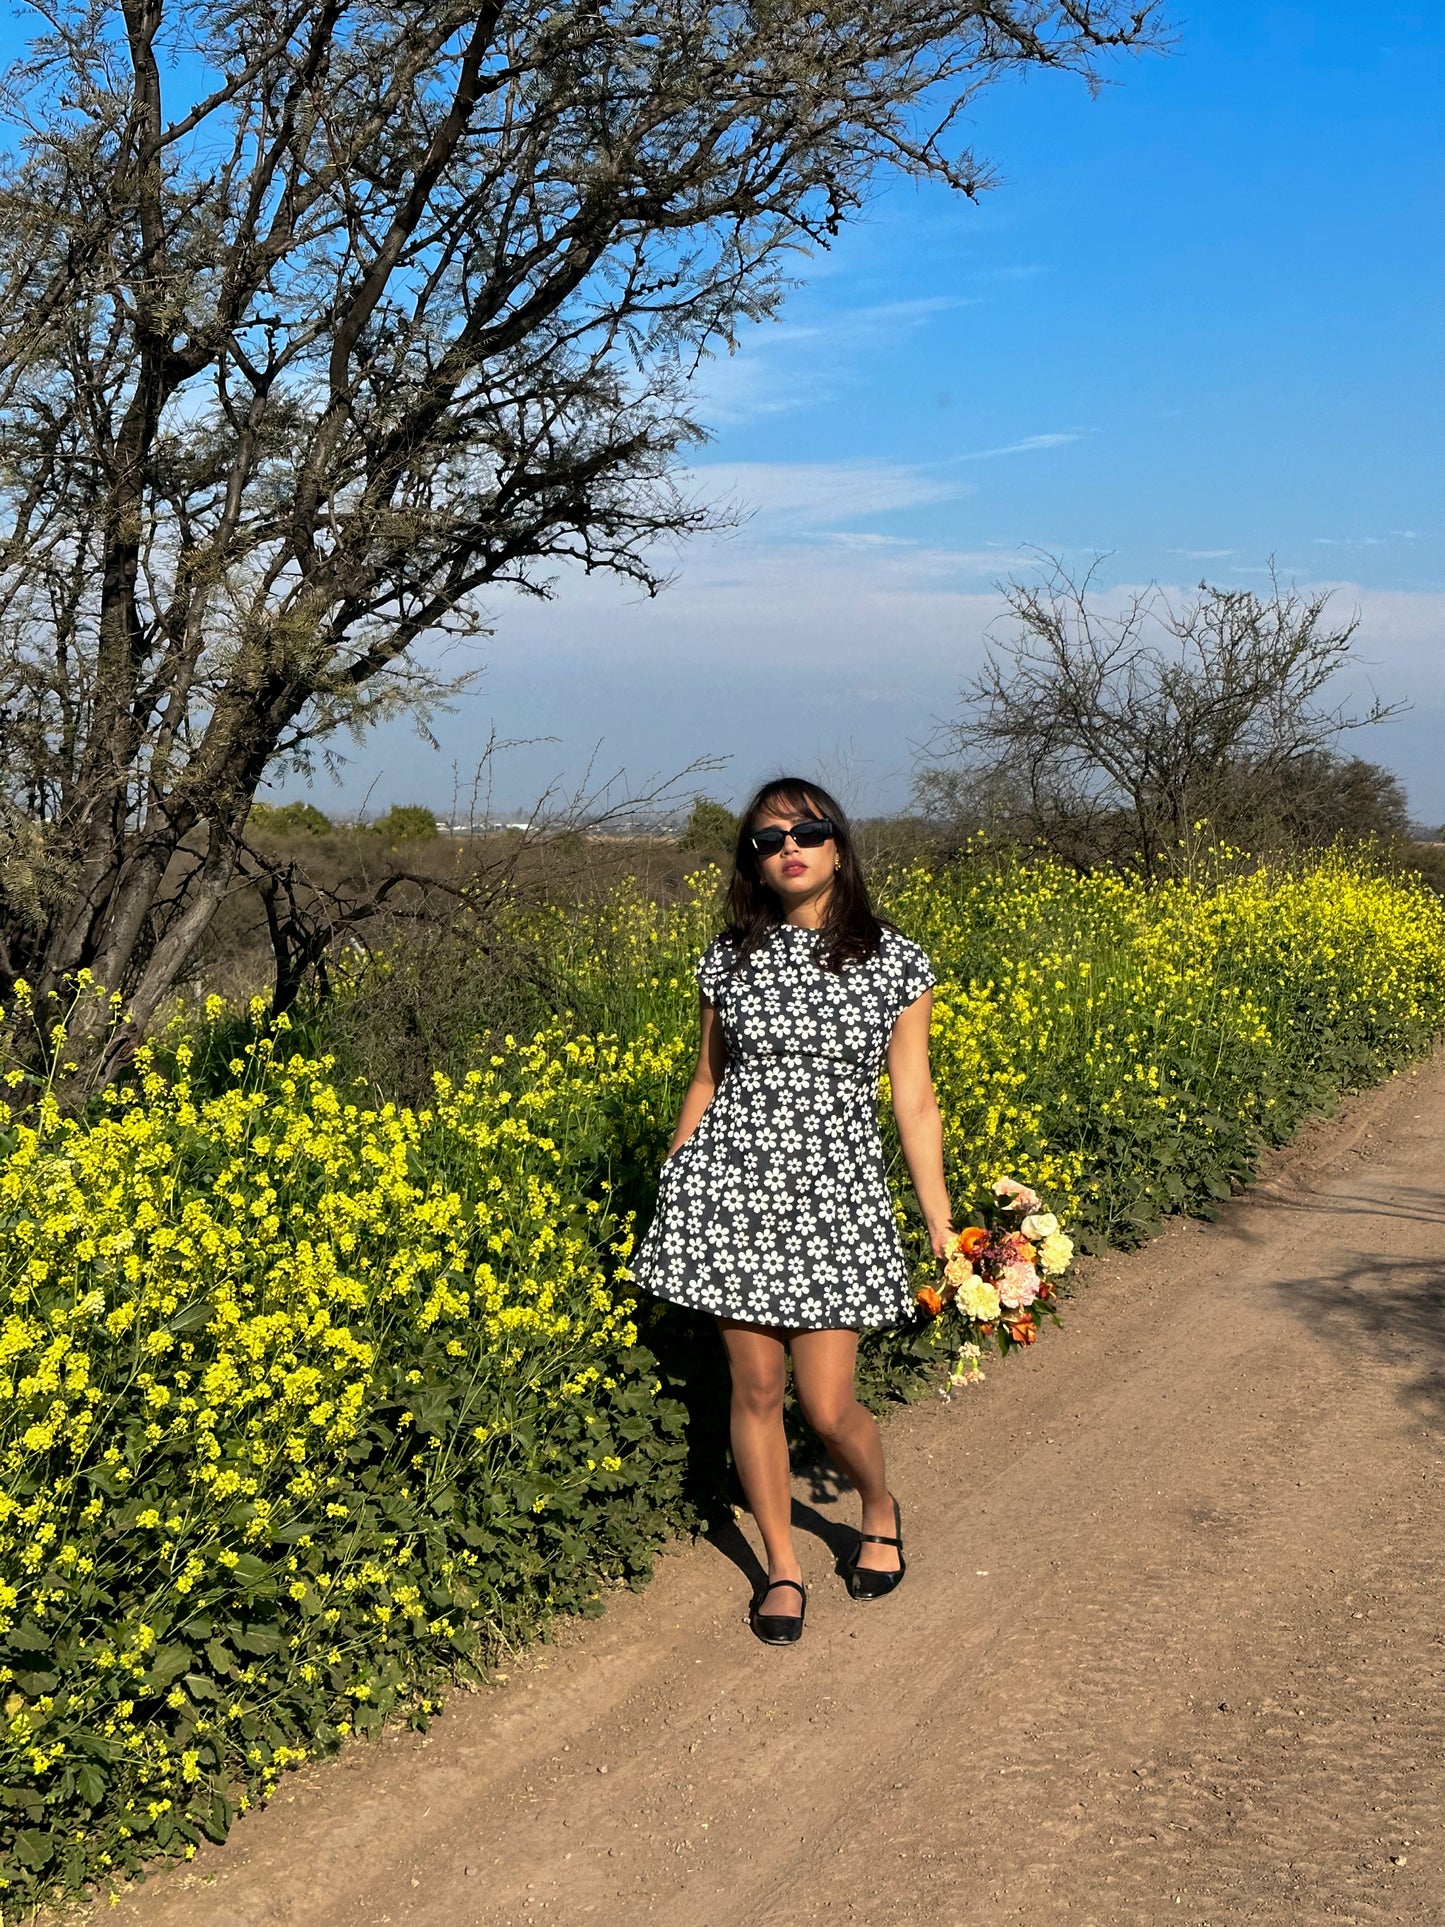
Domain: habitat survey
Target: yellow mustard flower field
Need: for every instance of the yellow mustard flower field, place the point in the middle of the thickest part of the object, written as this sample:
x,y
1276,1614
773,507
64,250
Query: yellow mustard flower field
x,y
310,1402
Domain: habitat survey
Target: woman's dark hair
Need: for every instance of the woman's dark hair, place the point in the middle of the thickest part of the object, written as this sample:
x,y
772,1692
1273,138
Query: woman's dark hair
x,y
850,931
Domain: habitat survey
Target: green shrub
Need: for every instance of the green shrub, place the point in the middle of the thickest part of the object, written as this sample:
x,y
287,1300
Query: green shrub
x,y
711,829
406,823
288,819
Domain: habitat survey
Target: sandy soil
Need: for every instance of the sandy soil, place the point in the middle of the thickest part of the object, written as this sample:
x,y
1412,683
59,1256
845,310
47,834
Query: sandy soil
x,y
1170,1649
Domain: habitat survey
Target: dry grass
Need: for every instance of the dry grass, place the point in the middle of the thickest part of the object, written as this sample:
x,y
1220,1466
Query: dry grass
x,y
417,884
429,882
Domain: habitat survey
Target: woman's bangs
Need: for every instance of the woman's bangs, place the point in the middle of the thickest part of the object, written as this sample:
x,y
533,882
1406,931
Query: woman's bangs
x,y
787,802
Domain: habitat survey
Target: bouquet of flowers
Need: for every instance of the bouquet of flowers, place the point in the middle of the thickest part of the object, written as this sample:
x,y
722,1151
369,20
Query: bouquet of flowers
x,y
998,1275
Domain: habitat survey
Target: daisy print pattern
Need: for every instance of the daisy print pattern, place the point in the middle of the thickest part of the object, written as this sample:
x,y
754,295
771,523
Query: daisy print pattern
x,y
776,1210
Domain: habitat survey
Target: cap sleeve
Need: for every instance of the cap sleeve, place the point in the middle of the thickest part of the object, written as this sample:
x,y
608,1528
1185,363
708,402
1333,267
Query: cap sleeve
x,y
712,967
915,973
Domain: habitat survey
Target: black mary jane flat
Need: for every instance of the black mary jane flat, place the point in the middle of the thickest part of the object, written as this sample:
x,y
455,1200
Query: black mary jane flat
x,y
862,1581
778,1629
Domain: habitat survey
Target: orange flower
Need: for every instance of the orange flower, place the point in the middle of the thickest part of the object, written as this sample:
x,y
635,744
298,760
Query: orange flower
x,y
1023,1331
929,1301
970,1241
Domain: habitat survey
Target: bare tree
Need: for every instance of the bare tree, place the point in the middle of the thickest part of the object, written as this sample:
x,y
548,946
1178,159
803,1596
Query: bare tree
x,y
1115,731
320,320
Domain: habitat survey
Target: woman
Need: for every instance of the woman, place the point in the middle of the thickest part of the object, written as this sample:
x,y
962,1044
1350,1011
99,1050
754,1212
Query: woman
x,y
773,1209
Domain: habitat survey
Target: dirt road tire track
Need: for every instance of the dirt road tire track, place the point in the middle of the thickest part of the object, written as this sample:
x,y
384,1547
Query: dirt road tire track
x,y
1171,1648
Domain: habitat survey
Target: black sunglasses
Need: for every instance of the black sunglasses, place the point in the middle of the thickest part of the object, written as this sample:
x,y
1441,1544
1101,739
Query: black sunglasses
x,y
808,835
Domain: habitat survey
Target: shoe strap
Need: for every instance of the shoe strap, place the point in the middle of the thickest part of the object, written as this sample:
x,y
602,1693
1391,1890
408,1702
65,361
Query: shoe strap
x,y
773,1583
876,1539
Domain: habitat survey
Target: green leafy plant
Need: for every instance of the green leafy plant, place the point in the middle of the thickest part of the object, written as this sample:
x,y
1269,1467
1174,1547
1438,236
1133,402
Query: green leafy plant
x,y
288,819
406,823
711,829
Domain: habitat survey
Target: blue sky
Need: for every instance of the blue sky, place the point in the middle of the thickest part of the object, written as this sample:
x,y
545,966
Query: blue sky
x,y
1196,325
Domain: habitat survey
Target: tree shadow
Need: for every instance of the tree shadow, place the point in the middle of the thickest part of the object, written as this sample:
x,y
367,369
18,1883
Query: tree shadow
x,y
825,1483
1409,1204
1393,1306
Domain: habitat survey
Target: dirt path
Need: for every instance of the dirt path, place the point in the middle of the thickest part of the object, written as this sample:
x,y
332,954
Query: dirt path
x,y
1172,1646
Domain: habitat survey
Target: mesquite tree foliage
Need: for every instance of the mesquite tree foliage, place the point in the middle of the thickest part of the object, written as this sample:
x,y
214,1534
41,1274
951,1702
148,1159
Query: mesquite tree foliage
x,y
318,320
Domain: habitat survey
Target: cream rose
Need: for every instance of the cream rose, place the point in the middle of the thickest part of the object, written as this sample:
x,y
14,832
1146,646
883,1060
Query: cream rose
x,y
1041,1224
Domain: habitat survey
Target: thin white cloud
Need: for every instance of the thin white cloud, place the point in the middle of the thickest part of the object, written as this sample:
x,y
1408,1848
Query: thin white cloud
x,y
780,367
1030,445
795,498
868,322
1366,541
866,539
1021,271
743,387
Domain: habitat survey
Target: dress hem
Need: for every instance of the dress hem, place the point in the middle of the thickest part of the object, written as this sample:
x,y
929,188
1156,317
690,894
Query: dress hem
x,y
775,1324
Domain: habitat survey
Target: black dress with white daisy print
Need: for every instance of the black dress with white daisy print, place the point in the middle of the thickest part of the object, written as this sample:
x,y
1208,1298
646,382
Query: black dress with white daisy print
x,y
776,1209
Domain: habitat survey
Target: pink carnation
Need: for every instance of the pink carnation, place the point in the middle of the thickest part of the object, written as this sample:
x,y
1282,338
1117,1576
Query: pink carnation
x,y
1016,1196
1018,1286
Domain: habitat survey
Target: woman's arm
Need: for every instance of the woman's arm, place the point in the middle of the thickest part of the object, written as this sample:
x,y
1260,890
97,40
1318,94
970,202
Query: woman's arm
x,y
712,1057
920,1128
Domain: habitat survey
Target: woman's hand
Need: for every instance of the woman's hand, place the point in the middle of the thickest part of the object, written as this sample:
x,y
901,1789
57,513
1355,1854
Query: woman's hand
x,y
940,1236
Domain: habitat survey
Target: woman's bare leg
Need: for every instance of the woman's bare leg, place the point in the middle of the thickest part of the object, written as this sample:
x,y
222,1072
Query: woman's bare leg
x,y
758,1362
823,1367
